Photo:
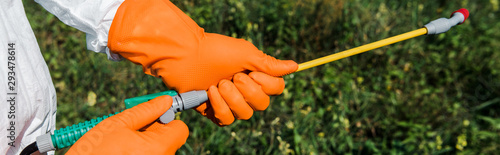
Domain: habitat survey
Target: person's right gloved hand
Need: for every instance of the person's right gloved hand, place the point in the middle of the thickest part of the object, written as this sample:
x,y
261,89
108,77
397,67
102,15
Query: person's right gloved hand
x,y
121,133
168,44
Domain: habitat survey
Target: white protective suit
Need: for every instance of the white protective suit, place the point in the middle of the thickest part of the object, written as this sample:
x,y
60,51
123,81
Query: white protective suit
x,y
27,94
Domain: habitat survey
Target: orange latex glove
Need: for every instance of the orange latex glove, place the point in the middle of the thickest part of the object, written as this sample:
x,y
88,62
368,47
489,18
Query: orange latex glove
x,y
168,44
119,134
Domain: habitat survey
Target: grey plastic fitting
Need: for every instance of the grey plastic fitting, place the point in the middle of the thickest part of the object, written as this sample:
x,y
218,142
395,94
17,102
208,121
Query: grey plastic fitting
x,y
44,143
183,102
442,25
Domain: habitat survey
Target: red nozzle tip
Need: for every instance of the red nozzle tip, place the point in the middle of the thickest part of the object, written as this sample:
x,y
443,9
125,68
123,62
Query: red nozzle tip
x,y
464,12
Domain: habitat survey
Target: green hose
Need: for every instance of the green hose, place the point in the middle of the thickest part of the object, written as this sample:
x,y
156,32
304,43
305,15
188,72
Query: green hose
x,y
67,136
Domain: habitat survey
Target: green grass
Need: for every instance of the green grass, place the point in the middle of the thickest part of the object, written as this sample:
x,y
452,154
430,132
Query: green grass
x,y
427,95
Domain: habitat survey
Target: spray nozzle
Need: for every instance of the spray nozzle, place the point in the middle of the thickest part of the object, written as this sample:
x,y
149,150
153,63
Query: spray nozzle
x,y
442,25
464,13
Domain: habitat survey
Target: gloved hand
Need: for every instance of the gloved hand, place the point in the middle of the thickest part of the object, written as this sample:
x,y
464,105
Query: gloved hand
x,y
168,44
119,134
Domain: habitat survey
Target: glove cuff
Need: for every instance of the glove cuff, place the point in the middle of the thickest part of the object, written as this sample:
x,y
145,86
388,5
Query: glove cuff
x,y
147,31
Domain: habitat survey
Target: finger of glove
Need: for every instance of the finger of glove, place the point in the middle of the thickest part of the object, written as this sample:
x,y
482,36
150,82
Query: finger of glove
x,y
270,85
151,126
222,112
172,135
235,100
272,66
251,91
206,110
143,114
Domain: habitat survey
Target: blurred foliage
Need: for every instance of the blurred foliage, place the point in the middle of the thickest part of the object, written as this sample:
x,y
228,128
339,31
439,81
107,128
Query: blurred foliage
x,y
429,95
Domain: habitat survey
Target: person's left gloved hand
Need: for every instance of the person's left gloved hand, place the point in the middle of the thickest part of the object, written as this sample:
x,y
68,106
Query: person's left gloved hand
x,y
168,44
119,134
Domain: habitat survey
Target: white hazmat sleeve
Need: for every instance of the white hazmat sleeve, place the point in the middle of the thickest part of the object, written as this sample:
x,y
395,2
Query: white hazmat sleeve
x,y
27,95
93,17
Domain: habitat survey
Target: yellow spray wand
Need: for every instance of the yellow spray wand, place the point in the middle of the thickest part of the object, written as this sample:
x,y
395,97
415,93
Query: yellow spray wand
x,y
435,27
361,49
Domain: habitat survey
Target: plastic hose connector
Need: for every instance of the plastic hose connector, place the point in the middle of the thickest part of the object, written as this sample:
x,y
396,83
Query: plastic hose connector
x,y
193,98
68,136
44,143
183,102
180,102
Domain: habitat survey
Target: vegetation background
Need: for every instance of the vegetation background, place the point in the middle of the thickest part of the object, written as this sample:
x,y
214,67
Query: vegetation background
x,y
429,95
